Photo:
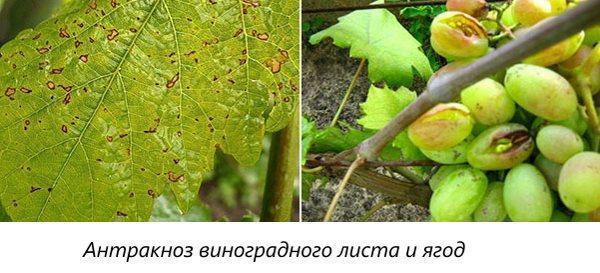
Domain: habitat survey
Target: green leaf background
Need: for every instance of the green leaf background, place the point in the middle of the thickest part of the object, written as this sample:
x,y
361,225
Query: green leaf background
x,y
110,102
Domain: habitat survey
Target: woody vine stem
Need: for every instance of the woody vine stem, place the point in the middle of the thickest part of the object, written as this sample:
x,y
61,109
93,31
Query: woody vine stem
x,y
449,86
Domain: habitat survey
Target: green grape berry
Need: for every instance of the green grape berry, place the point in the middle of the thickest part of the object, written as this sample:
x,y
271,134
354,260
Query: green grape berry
x,y
491,209
579,182
442,173
557,53
550,170
541,91
592,35
443,126
500,147
488,102
529,12
450,156
458,195
457,35
527,197
570,143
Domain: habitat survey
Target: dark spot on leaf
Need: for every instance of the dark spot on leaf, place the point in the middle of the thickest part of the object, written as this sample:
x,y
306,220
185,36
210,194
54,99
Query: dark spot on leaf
x,y
93,5
25,90
152,193
64,128
63,33
49,189
51,85
57,71
10,92
172,81
274,65
43,50
112,35
121,214
113,3
263,36
109,138
83,58
34,189
133,30
174,178
78,43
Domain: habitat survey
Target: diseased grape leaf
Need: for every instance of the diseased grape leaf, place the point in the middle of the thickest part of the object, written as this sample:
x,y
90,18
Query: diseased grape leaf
x,y
105,103
376,35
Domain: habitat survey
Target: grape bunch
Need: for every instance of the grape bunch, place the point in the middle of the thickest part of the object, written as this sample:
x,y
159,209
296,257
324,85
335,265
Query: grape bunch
x,y
521,145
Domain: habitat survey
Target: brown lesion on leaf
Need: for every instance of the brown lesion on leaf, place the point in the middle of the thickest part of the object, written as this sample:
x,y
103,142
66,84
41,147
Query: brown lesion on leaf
x,y
34,189
238,33
14,203
109,138
56,71
43,50
121,214
51,85
251,3
64,128
152,193
173,177
133,30
212,2
66,88
84,58
113,3
263,36
131,195
63,33
37,36
10,92
25,90
67,98
112,35
274,65
286,99
172,81
93,5
78,43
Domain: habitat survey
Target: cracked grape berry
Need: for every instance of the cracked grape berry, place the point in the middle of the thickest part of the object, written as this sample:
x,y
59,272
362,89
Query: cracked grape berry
x,y
500,147
457,35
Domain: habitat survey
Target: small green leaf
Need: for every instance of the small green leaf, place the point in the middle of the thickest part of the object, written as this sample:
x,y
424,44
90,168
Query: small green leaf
x,y
104,105
378,36
382,105
333,139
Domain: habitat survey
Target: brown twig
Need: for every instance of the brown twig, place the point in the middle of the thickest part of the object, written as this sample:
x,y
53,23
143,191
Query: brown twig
x,y
315,160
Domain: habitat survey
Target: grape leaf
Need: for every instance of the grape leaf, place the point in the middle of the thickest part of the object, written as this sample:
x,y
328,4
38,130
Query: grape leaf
x,y
111,100
382,105
377,35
